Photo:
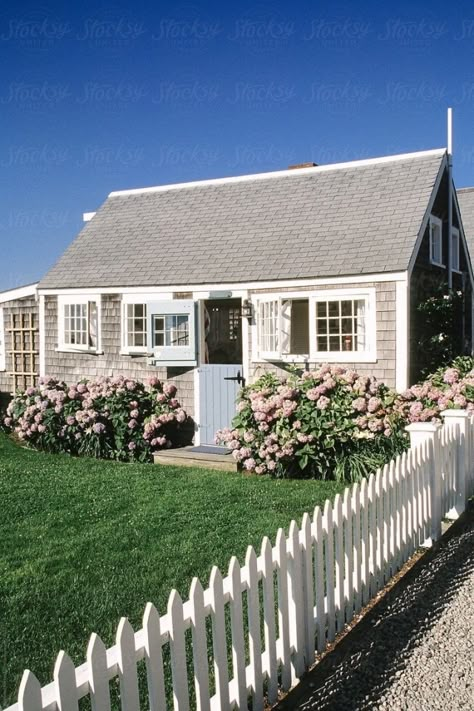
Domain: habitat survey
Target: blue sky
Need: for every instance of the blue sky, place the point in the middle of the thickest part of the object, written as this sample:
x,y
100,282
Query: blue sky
x,y
100,96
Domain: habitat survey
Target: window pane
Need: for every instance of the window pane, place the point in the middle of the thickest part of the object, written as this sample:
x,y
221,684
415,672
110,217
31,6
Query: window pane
x,y
333,307
347,325
346,308
322,343
334,343
334,325
322,326
321,308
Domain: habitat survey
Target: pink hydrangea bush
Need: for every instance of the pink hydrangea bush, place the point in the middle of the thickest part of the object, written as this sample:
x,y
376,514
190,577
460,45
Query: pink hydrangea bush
x,y
113,418
311,424
451,387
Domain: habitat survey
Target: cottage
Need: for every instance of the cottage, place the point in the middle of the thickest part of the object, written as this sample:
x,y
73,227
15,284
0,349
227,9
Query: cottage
x,y
212,283
19,339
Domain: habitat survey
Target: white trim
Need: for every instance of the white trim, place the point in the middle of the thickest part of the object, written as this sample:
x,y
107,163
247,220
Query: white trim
x,y
427,215
87,216
19,293
42,334
439,224
199,290
3,352
79,299
401,336
314,356
246,357
280,173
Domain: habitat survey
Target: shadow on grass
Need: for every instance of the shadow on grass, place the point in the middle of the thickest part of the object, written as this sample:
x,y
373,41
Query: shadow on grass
x,y
366,662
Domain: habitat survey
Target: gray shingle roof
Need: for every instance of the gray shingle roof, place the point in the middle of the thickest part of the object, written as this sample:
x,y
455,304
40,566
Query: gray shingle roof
x,y
318,222
466,205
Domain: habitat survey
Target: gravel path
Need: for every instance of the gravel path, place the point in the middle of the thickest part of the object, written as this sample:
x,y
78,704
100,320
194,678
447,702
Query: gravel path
x,y
414,651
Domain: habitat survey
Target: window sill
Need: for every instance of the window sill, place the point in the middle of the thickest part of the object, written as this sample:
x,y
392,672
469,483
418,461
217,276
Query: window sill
x,y
88,351
134,354
342,357
456,271
437,264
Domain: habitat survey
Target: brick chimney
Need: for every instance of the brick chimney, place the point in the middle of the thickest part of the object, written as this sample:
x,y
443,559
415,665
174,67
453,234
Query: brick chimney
x,y
302,165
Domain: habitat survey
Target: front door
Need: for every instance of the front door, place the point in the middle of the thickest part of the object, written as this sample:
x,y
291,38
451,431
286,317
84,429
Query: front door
x,y
220,375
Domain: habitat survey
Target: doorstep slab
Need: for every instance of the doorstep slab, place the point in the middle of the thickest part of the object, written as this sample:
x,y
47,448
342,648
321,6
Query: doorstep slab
x,y
185,457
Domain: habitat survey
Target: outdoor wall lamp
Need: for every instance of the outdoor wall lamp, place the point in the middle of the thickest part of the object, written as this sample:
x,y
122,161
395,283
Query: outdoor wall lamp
x,y
246,309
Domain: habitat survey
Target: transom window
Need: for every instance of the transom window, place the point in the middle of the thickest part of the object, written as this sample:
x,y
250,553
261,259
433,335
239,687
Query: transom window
x,y
170,330
136,326
78,325
340,325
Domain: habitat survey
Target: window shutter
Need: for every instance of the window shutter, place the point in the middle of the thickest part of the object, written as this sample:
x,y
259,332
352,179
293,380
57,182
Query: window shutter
x,y
172,332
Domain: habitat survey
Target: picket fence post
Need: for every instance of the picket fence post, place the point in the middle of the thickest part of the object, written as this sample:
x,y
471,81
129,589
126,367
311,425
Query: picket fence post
x,y
428,432
459,420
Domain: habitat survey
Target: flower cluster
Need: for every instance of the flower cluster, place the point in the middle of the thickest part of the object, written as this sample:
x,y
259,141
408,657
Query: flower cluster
x,y
451,387
114,418
309,419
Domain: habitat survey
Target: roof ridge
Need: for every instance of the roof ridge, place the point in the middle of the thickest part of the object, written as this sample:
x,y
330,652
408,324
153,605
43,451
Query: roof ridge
x,y
280,173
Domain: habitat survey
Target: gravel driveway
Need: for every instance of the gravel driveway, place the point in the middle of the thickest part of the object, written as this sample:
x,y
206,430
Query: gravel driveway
x,y
414,651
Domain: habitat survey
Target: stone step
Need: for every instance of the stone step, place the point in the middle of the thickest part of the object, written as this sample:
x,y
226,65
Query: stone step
x,y
184,457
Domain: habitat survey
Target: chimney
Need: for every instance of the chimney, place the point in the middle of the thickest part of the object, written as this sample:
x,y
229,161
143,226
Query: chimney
x,y
302,165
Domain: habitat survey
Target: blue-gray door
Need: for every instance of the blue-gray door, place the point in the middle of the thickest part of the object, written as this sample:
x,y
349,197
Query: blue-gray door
x,y
217,389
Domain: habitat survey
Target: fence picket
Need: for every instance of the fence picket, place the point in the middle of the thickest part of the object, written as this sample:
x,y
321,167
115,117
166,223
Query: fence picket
x,y
255,645
371,584
348,562
308,589
380,530
328,528
283,621
98,678
295,599
127,666
319,579
154,658
199,637
65,680
237,631
403,508
29,693
178,652
269,619
357,553
219,644
392,509
386,523
339,562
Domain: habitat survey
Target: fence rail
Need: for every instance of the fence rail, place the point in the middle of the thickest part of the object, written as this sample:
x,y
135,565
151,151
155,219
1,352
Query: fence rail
x,y
270,616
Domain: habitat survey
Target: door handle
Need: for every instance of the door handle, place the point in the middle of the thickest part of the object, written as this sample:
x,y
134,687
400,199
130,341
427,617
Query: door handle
x,y
237,378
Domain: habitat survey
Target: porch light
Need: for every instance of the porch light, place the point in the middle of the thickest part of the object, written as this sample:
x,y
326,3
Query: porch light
x,y
246,309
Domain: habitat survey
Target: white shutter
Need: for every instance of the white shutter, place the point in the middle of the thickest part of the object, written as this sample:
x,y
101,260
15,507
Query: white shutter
x,y
172,332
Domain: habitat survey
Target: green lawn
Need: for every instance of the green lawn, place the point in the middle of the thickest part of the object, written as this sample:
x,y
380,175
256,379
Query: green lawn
x,y
84,542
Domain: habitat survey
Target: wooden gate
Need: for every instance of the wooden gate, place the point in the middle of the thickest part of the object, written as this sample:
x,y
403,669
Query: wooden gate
x,y
24,350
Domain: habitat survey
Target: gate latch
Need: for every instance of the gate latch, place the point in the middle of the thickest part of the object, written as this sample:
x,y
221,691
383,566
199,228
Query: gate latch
x,y
237,378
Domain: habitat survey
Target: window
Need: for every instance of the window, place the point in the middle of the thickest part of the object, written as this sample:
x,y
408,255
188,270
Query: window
x,y
455,249
329,325
78,324
171,332
2,343
340,325
135,328
436,241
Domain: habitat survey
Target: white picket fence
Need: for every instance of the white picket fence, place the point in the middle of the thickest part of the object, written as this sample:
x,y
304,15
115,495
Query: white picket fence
x,y
270,616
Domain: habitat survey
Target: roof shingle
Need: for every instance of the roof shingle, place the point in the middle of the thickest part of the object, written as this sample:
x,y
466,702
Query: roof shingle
x,y
358,219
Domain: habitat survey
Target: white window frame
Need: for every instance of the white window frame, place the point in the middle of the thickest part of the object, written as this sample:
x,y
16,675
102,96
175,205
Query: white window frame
x,y
436,222
269,354
455,250
174,356
127,349
3,354
369,355
73,300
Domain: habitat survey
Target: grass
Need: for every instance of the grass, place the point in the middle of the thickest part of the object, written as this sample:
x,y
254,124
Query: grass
x,y
84,542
